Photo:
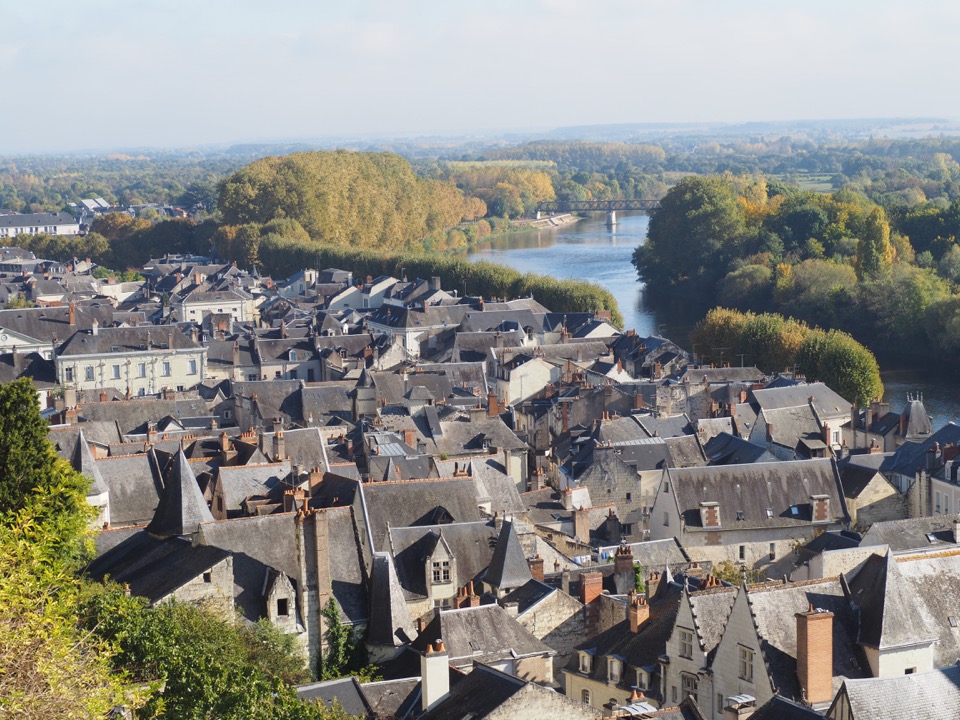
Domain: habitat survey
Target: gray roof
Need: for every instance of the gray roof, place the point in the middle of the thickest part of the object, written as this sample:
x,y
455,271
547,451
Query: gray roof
x,y
134,415
134,484
779,708
774,607
126,339
746,492
912,533
36,219
182,507
916,420
826,402
418,503
471,543
728,449
710,609
345,691
390,622
921,696
154,568
84,463
486,633
508,566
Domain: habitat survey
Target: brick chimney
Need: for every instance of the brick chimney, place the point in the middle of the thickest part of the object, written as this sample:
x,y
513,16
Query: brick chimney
x,y
536,567
815,655
638,613
279,446
410,438
623,560
104,397
591,586
73,314
493,405
314,478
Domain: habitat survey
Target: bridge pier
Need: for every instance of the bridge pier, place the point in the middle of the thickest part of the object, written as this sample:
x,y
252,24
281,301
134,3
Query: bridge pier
x,y
611,218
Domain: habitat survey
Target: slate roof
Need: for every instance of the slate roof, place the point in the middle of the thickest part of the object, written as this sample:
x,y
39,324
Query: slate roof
x,y
779,708
480,692
126,339
728,449
670,426
751,489
931,695
916,421
471,543
857,471
134,484
774,607
269,541
345,691
528,595
486,634
154,568
390,622
47,323
240,482
84,463
826,402
493,484
182,507
134,415
910,456
711,609
911,533
508,567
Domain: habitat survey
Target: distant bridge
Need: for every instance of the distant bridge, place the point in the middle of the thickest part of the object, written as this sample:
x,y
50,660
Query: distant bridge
x,y
608,206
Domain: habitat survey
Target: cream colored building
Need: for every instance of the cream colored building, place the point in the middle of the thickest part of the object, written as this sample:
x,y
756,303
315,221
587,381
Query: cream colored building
x,y
144,359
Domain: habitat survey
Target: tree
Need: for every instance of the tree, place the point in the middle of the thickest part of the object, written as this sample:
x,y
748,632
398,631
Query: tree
x,y
346,653
693,234
874,252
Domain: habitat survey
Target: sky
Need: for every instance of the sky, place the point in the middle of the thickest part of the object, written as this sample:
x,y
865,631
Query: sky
x,y
109,74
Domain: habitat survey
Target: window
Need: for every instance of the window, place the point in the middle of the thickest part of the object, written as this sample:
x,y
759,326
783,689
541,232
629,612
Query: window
x,y
88,373
613,670
689,685
666,519
277,374
141,392
686,643
208,577
739,514
666,486
743,553
116,372
629,497
719,702
585,663
141,370
909,671
585,696
673,694
166,368
68,374
283,608
192,365
936,507
746,664
219,504
836,437
441,571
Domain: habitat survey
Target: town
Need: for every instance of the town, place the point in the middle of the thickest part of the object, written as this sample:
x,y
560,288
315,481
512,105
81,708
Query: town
x,y
517,512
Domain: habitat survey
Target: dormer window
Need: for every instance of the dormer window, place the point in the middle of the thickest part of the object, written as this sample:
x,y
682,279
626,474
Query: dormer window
x,y
710,514
613,670
586,662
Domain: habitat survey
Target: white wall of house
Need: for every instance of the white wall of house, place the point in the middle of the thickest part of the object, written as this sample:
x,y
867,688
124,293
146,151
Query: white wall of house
x,y
145,373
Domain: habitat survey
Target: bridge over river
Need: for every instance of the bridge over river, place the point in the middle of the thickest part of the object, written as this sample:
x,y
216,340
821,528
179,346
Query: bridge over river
x,y
610,207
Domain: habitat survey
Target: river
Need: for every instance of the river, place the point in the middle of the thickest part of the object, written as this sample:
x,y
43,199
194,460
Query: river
x,y
589,250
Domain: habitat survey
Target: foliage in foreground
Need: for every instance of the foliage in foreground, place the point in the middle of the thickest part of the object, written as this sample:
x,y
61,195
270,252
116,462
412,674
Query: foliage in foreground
x,y
774,343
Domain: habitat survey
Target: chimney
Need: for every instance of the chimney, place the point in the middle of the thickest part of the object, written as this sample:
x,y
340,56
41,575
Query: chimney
x,y
95,327
283,329
826,434
493,405
591,586
224,442
104,397
623,560
236,353
536,565
151,433
815,655
434,675
512,608
279,446
565,411
638,613
277,424
410,438
73,314
195,333
581,525
769,433
314,478
435,283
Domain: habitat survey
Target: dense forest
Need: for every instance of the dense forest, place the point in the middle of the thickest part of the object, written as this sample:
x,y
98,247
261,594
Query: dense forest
x,y
838,260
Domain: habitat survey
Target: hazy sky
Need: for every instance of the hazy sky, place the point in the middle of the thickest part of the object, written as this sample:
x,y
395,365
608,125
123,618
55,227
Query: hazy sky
x,y
158,73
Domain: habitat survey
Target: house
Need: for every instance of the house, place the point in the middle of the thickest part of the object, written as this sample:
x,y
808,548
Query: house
x,y
797,640
144,360
930,695
748,514
491,635
870,497
36,223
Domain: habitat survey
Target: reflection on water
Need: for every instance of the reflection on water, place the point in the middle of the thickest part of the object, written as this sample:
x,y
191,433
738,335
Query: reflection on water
x,y
589,250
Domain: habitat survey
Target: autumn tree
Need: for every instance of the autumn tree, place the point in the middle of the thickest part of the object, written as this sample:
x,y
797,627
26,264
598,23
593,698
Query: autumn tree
x,y
874,251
